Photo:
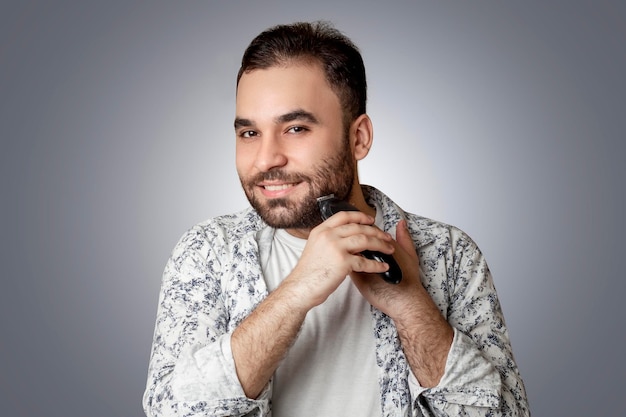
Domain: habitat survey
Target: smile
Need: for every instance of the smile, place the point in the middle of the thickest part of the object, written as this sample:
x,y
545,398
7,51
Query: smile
x,y
277,190
277,187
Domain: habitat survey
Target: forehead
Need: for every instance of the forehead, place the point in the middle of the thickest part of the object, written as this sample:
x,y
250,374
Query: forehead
x,y
280,89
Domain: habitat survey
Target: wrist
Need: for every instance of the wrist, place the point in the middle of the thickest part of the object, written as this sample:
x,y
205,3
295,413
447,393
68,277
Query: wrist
x,y
294,295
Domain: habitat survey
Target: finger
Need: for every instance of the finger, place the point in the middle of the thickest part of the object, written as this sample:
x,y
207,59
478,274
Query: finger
x,y
354,229
368,266
345,217
403,237
361,242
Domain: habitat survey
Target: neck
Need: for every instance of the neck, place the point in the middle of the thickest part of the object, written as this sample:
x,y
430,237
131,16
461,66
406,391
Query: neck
x,y
357,199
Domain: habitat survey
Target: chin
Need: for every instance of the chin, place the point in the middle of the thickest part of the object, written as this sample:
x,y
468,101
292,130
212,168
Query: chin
x,y
284,214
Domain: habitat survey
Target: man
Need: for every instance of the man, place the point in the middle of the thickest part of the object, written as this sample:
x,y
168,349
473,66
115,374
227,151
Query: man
x,y
273,311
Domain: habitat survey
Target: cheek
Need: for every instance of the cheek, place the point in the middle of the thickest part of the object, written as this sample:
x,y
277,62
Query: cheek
x,y
312,154
243,160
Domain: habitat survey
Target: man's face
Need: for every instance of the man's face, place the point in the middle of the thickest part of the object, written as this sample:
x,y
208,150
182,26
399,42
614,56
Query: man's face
x,y
292,146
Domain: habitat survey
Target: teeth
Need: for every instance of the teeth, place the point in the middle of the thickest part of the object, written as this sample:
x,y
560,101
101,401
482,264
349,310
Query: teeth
x,y
278,187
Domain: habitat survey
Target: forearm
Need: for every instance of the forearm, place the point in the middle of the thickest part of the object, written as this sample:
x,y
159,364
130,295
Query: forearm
x,y
426,338
261,341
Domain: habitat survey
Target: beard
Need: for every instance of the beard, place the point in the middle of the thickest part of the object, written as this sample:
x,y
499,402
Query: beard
x,y
334,175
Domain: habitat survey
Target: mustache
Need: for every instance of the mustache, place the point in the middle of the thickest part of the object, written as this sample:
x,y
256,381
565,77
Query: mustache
x,y
279,175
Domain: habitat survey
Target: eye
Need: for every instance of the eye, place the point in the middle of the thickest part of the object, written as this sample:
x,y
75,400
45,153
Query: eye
x,y
297,129
246,134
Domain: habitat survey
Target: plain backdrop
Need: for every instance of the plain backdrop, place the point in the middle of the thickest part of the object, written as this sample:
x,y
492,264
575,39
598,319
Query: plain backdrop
x,y
506,119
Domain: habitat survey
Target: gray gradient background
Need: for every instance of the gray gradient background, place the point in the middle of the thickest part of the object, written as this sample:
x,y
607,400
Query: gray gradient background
x,y
506,120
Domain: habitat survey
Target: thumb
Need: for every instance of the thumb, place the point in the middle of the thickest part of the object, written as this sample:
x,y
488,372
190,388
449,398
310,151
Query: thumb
x,y
403,237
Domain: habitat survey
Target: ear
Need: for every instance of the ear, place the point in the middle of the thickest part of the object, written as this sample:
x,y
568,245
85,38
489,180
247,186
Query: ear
x,y
362,134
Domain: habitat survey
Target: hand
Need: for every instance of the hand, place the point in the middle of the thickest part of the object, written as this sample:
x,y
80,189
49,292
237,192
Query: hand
x,y
332,252
395,299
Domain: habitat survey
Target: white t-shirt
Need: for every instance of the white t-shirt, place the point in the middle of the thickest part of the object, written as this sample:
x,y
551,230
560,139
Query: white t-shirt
x,y
331,368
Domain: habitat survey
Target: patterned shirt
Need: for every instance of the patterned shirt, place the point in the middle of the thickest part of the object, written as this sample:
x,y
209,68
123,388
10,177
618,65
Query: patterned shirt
x,y
213,281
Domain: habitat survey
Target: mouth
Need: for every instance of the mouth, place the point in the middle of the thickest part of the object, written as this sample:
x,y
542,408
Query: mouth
x,y
277,187
274,190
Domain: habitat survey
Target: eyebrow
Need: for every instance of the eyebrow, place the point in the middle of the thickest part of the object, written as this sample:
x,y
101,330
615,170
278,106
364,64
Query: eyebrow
x,y
239,122
298,114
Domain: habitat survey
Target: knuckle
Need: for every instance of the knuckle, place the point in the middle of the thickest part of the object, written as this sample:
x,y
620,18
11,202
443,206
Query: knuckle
x,y
359,263
361,240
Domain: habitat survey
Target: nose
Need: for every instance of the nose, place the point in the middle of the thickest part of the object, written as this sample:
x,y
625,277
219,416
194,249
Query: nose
x,y
270,154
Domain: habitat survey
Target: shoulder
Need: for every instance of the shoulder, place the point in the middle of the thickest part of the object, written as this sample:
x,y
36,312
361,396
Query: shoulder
x,y
225,228
215,237
424,231
432,232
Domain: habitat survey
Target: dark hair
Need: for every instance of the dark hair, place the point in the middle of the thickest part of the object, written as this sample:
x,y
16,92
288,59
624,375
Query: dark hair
x,y
318,42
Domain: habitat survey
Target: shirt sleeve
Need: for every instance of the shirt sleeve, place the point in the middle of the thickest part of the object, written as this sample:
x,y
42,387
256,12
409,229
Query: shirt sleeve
x,y
192,371
481,377
468,379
